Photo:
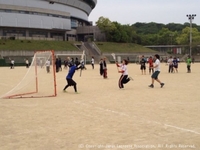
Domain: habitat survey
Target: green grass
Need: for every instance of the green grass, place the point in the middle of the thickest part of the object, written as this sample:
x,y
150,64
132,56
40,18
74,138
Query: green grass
x,y
69,46
36,45
121,47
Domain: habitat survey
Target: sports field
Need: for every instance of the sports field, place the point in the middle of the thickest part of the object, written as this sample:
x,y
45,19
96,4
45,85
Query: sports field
x,y
103,117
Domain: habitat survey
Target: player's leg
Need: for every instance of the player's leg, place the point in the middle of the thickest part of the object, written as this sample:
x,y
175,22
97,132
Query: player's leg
x,y
48,69
169,68
66,87
73,83
141,69
125,79
69,83
154,77
105,73
120,82
188,68
100,71
161,83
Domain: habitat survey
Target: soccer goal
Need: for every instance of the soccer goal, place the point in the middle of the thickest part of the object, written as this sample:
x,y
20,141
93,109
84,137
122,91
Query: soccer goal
x,y
37,82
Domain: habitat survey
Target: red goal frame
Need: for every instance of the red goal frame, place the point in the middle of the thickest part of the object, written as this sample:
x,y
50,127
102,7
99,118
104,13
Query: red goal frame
x,y
28,94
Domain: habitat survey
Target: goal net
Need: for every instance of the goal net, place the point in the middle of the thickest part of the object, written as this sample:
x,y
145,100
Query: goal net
x,y
39,80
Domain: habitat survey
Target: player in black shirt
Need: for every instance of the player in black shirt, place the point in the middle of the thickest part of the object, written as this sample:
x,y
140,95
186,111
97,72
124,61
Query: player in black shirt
x,y
143,65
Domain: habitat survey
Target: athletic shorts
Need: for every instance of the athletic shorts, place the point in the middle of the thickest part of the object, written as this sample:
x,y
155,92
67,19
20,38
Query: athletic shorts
x,y
143,67
155,75
175,66
71,82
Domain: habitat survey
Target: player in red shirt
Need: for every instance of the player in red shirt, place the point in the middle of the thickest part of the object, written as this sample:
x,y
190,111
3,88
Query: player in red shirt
x,y
150,61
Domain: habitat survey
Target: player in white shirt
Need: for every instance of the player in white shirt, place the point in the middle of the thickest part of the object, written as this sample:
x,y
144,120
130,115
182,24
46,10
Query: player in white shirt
x,y
171,67
156,73
47,66
12,63
27,63
124,77
92,62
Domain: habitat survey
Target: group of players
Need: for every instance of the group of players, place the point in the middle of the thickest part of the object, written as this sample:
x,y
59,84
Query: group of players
x,y
75,65
171,62
122,68
153,62
154,68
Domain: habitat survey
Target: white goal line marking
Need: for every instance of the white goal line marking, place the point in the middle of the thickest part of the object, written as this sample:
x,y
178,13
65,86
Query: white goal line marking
x,y
147,121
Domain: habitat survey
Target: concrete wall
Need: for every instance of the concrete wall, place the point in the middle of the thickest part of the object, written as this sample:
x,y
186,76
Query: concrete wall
x,y
37,13
31,53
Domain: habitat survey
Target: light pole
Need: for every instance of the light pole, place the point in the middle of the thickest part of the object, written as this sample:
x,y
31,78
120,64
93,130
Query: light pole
x,y
191,17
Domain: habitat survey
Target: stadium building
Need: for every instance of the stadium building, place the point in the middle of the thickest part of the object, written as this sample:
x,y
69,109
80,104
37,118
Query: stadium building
x,y
44,19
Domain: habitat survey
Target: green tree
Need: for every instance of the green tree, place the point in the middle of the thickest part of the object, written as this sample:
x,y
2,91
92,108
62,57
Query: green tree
x,y
149,33
184,37
106,26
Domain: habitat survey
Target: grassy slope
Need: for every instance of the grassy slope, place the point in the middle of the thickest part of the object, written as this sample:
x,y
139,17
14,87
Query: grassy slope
x,y
68,46
36,45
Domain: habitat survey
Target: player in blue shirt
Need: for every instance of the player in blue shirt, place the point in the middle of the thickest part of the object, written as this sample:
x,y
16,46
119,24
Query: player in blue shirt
x,y
175,64
70,81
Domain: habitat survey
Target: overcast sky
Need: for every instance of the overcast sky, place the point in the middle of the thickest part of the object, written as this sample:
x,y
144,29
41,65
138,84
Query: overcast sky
x,y
159,11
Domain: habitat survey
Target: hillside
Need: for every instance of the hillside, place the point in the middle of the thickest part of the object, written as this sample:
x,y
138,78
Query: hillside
x,y
69,46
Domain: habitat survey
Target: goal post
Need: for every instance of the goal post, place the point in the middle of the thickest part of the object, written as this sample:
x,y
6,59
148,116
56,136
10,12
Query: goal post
x,y
38,81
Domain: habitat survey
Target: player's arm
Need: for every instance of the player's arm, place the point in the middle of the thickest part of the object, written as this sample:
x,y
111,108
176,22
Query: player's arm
x,y
78,67
156,65
121,71
118,65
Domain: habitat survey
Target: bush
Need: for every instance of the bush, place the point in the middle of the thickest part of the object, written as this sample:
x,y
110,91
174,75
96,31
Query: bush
x,y
12,38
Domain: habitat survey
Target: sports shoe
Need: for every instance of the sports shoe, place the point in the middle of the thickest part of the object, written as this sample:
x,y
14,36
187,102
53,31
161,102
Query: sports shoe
x,y
151,86
162,84
131,78
64,91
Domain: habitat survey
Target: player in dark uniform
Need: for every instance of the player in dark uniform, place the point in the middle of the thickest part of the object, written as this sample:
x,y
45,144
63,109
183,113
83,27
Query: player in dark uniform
x,y
143,65
70,81
57,65
101,66
104,69
175,64
77,61
60,64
